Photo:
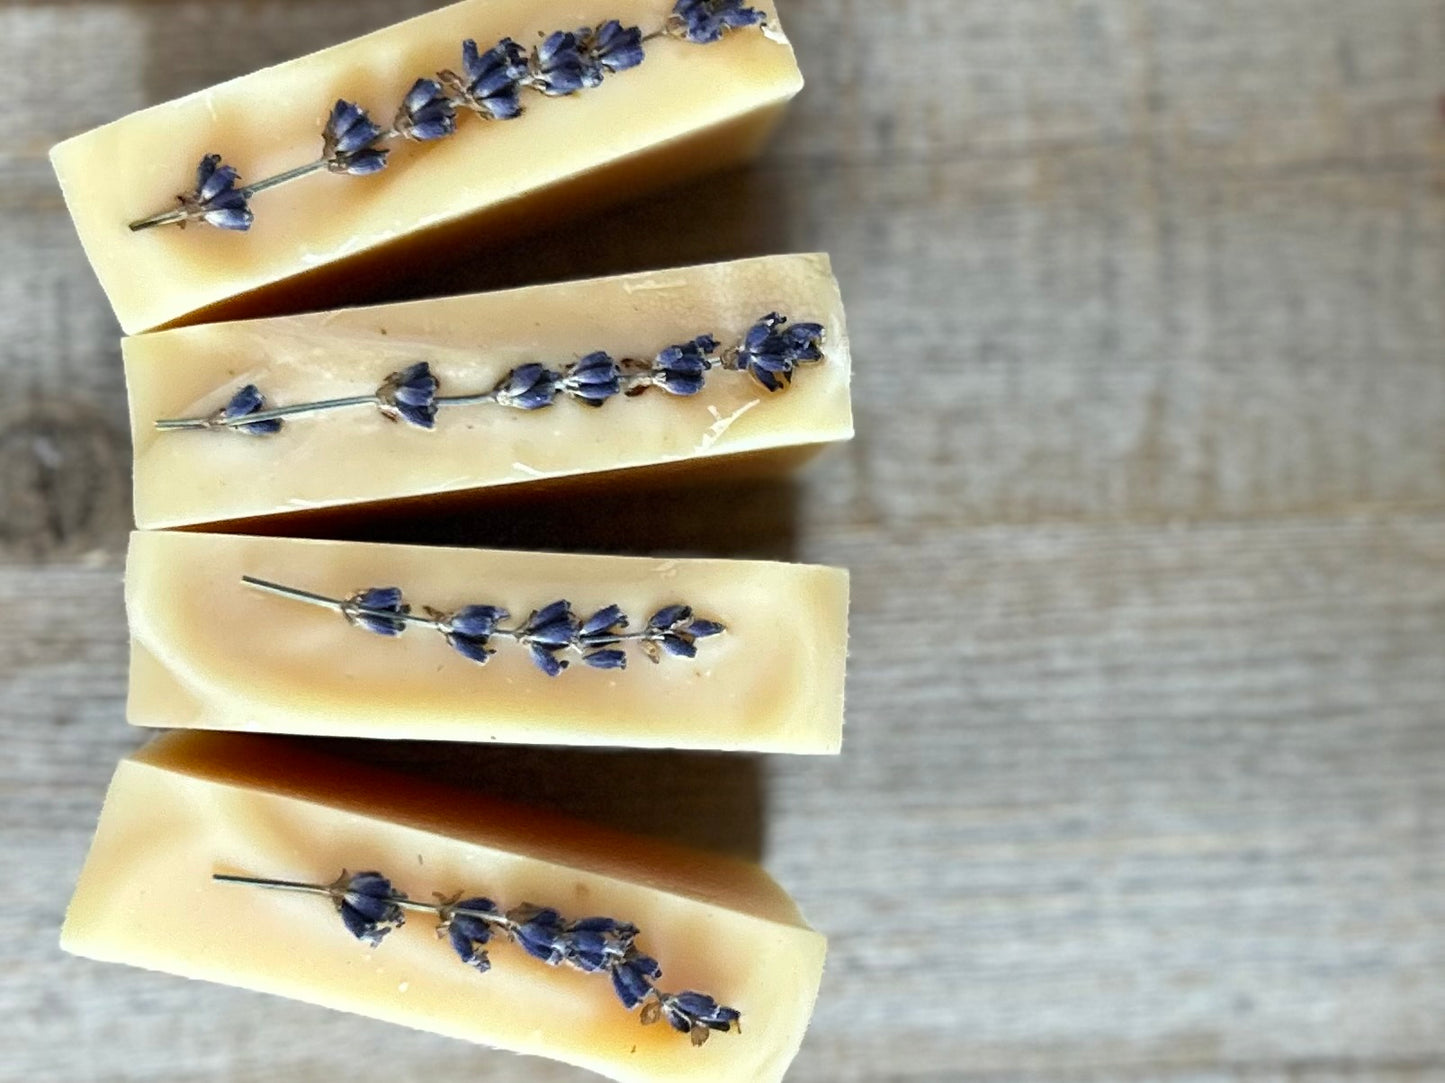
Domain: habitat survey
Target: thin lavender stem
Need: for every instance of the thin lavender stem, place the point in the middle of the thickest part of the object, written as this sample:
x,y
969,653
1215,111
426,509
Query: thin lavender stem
x,y
479,399
164,218
286,177
215,422
334,892
336,604
275,885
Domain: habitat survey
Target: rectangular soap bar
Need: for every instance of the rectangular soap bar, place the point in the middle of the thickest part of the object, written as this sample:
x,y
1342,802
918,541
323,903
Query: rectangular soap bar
x,y
193,804
210,652
357,455
686,109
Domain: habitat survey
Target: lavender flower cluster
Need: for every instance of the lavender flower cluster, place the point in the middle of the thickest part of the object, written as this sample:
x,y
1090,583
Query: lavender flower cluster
x,y
770,352
370,907
548,633
490,84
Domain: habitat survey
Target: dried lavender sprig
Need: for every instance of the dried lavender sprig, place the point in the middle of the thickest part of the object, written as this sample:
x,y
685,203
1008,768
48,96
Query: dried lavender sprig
x,y
370,908
561,64
771,352
547,633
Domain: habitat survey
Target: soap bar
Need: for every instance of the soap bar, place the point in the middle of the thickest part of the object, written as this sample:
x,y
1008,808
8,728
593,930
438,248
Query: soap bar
x,y
685,109
209,651
192,805
361,454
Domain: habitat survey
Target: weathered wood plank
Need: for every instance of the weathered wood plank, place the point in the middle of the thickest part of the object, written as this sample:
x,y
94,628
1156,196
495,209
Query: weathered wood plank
x,y
1145,776
1103,804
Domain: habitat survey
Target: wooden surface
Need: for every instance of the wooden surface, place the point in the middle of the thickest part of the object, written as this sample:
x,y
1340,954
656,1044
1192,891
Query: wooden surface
x,y
1145,771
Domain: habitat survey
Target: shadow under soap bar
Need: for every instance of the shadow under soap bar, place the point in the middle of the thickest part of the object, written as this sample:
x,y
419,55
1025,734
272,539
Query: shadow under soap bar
x,y
211,652
358,456
326,237
190,805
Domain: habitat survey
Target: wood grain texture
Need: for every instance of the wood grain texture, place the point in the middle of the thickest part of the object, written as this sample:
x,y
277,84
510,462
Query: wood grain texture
x,y
1145,772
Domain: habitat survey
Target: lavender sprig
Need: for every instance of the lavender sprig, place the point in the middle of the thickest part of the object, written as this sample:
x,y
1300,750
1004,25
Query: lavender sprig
x,y
548,634
370,908
490,85
771,352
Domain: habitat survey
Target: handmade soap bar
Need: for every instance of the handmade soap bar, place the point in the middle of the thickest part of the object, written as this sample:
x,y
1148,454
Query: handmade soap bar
x,y
193,805
374,449
756,665
491,144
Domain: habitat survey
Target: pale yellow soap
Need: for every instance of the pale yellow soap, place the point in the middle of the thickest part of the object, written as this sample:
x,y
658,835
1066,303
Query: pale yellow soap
x,y
686,109
209,652
356,456
190,805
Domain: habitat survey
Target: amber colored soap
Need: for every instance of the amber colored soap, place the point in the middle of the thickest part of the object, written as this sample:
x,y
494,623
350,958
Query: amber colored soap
x,y
686,109
209,652
193,804
357,457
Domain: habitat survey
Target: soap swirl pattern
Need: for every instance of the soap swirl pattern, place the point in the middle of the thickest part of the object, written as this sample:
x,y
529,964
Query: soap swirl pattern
x,y
770,353
370,907
490,85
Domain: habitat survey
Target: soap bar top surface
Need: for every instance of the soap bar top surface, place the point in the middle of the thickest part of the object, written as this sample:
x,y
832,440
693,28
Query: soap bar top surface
x,y
190,805
271,121
357,455
210,652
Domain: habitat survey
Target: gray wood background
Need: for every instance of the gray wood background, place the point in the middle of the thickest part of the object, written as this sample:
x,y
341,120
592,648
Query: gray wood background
x,y
1145,772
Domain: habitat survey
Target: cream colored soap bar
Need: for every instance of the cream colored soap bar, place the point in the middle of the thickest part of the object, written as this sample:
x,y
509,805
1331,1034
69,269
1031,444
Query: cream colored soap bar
x,y
190,805
210,652
686,109
357,455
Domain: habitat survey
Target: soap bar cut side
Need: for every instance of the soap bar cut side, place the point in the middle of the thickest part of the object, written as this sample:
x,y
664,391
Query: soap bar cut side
x,y
194,804
685,109
209,651
360,455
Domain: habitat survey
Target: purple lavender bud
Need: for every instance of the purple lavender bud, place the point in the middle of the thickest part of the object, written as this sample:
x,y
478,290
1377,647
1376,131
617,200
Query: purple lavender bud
x,y
468,630
216,198
553,626
769,352
805,340
546,661
246,401
604,622
528,387
669,617
380,610
426,112
410,395
348,138
596,943
615,47
681,369
367,906
705,21
610,658
696,1014
556,67
478,621
594,379
632,980
365,162
678,644
493,79
468,933
547,631
540,933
